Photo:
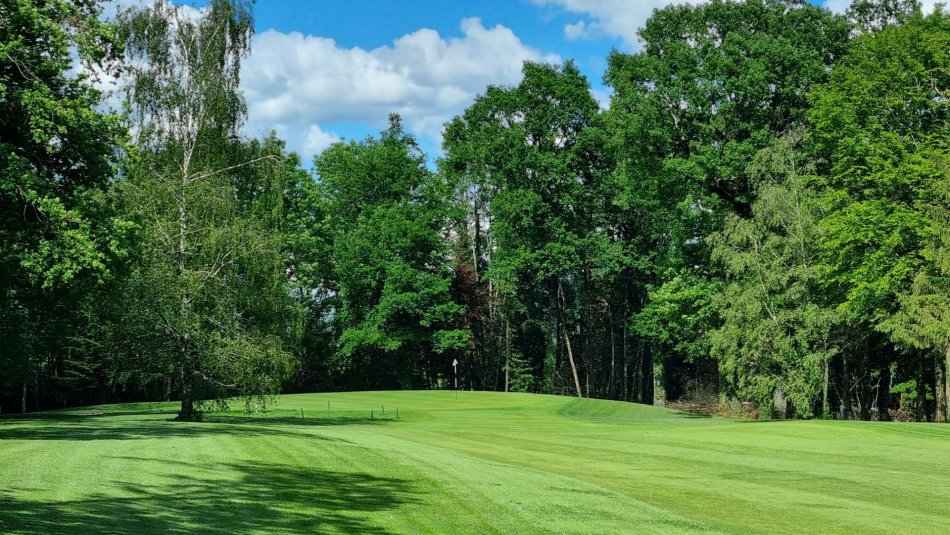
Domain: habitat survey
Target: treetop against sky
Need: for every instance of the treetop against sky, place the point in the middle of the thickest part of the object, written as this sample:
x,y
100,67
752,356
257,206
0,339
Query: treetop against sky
x,y
329,70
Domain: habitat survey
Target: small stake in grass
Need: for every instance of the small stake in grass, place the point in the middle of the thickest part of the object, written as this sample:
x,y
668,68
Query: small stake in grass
x,y
384,408
328,405
455,367
371,415
301,413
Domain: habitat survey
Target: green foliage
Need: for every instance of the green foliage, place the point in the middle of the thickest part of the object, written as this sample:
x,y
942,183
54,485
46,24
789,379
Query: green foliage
x,y
908,393
533,155
527,145
717,82
777,331
871,15
873,126
59,234
388,264
761,211
679,317
922,320
211,303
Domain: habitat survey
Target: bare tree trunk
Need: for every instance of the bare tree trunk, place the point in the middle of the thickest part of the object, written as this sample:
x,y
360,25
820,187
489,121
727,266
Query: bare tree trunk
x,y
946,384
187,411
507,351
920,407
940,382
825,403
23,399
884,395
846,382
623,355
648,383
570,358
550,366
613,359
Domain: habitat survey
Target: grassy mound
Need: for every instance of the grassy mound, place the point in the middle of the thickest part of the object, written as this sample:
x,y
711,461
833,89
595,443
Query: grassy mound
x,y
482,463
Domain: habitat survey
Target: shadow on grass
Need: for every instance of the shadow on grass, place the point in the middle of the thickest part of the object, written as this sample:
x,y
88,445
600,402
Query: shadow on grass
x,y
225,498
125,426
687,414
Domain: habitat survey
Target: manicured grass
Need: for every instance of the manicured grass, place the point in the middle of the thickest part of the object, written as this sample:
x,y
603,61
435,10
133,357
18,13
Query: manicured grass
x,y
484,463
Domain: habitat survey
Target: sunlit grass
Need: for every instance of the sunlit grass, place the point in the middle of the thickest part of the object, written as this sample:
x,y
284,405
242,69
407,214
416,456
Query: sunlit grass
x,y
482,463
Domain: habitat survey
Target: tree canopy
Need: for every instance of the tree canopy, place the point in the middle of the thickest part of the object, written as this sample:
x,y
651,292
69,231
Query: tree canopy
x,y
755,223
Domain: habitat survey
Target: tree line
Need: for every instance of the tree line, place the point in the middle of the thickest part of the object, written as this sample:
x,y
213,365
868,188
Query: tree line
x,y
760,218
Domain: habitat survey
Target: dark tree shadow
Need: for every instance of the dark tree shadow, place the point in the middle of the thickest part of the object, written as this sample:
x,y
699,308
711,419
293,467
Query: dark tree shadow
x,y
232,498
125,426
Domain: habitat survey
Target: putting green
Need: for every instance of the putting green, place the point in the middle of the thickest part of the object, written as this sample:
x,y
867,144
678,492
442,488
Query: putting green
x,y
482,463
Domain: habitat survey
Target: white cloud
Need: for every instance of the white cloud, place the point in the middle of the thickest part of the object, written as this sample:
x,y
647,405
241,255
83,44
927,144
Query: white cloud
x,y
111,8
602,96
578,30
929,5
317,140
610,18
840,6
109,85
299,81
837,6
298,84
624,18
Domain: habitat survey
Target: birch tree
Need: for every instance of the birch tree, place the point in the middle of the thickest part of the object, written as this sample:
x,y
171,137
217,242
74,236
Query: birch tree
x,y
209,288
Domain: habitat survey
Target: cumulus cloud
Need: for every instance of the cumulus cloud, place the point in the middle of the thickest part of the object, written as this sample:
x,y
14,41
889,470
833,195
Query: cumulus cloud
x,y
623,18
297,85
317,140
840,6
607,18
298,82
111,86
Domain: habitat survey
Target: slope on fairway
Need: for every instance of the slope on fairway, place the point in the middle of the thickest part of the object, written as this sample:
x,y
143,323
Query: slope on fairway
x,y
482,463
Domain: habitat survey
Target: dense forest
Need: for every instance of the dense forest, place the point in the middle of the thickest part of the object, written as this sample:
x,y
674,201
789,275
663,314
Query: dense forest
x,y
758,221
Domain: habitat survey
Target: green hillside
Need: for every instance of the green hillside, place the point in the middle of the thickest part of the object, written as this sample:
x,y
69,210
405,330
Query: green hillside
x,y
482,463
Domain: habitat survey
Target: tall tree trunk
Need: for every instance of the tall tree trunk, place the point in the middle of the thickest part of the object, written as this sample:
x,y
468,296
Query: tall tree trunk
x,y
884,395
550,364
570,358
187,411
646,376
946,383
507,352
23,399
613,359
920,404
940,382
825,402
626,364
846,388
551,373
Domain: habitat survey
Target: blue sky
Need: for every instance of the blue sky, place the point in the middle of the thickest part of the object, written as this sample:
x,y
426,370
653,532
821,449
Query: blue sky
x,y
324,70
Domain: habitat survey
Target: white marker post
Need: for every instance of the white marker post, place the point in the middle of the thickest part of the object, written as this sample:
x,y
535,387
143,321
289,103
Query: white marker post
x,y
455,366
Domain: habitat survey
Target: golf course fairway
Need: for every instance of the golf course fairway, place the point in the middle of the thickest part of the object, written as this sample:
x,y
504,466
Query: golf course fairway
x,y
481,463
